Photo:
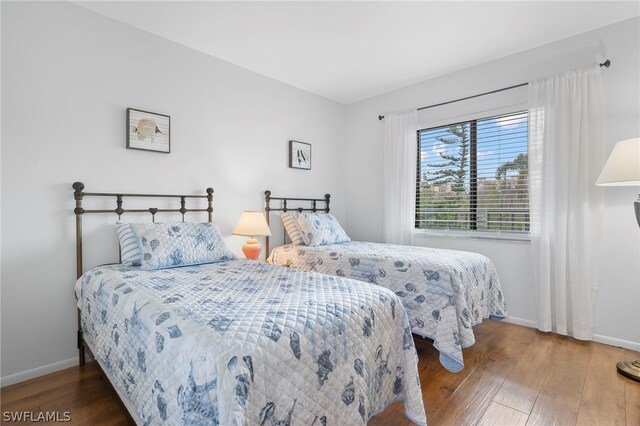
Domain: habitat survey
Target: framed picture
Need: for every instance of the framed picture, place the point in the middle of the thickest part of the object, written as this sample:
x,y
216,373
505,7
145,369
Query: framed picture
x,y
299,155
148,131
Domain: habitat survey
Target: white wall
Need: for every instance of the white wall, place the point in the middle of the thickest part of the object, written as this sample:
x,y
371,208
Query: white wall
x,y
618,300
68,75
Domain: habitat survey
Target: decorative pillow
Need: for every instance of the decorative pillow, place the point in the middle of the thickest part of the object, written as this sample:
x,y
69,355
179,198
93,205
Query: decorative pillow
x,y
170,245
290,222
319,229
130,253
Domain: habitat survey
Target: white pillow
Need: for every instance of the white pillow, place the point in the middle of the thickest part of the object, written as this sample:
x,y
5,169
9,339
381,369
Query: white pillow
x,y
130,252
320,229
290,222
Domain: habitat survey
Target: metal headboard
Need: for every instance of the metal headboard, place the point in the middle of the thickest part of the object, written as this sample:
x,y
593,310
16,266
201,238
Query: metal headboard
x,y
79,195
285,206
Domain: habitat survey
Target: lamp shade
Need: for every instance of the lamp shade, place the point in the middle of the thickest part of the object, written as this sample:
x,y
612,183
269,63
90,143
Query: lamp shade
x,y
252,224
623,166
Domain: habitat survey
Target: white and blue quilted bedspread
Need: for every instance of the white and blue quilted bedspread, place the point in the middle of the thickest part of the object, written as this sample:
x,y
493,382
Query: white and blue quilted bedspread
x,y
445,292
242,342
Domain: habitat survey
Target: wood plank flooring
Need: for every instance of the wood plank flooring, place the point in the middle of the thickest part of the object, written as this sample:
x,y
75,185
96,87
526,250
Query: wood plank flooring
x,y
513,376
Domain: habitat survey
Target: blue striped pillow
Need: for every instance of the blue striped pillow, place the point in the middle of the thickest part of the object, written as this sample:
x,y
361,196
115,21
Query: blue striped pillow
x,y
130,251
290,223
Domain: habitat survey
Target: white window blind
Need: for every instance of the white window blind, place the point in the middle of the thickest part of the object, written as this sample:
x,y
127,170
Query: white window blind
x,y
473,175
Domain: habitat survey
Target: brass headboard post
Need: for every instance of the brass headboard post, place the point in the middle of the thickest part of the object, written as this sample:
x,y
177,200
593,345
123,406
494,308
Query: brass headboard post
x,y
210,202
285,207
79,194
267,209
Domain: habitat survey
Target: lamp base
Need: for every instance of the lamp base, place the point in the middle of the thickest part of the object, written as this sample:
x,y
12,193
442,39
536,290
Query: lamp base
x,y
630,369
252,249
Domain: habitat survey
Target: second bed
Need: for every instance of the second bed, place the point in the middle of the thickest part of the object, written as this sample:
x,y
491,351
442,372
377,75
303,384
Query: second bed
x,y
445,292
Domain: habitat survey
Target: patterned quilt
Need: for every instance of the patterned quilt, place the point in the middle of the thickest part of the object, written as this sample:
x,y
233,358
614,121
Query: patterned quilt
x,y
243,342
445,292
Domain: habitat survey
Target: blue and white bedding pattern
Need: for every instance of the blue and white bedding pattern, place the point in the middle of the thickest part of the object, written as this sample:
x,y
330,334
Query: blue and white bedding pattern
x,y
318,229
445,292
242,342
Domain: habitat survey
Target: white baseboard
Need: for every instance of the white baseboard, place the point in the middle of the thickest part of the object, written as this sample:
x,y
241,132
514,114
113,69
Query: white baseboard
x,y
38,371
612,341
520,321
598,338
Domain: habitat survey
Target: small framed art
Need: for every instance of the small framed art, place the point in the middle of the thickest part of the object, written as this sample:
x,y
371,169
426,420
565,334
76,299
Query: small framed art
x,y
299,155
148,131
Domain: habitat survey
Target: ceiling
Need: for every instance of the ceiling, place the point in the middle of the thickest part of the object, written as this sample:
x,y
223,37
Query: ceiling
x,y
349,51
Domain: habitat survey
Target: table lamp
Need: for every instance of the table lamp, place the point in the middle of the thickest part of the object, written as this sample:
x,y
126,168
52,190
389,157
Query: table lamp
x,y
252,224
623,169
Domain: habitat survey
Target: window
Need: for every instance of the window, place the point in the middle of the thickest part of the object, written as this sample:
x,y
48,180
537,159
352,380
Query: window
x,y
474,175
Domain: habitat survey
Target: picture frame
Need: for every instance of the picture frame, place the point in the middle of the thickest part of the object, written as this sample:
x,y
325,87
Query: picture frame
x,y
148,131
299,155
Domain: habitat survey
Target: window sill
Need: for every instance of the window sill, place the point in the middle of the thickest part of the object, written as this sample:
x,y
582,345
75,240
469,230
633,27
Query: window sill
x,y
475,235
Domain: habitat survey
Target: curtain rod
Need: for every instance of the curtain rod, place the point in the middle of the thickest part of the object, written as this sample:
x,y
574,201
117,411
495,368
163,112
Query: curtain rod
x,y
605,64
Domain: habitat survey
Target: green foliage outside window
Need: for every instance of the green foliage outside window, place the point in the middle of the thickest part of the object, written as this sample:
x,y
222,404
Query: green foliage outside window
x,y
445,197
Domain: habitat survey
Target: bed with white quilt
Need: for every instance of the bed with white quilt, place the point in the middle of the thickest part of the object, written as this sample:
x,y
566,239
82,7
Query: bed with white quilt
x,y
445,292
188,334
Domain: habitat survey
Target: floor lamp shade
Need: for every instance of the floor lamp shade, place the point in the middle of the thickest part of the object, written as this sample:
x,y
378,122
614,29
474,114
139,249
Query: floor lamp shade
x,y
623,169
623,165
252,224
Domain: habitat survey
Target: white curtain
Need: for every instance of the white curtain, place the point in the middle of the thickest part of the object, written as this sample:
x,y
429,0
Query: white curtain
x,y
565,158
400,150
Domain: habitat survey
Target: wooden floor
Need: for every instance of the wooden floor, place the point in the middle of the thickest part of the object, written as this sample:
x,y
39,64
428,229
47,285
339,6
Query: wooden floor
x,y
513,376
